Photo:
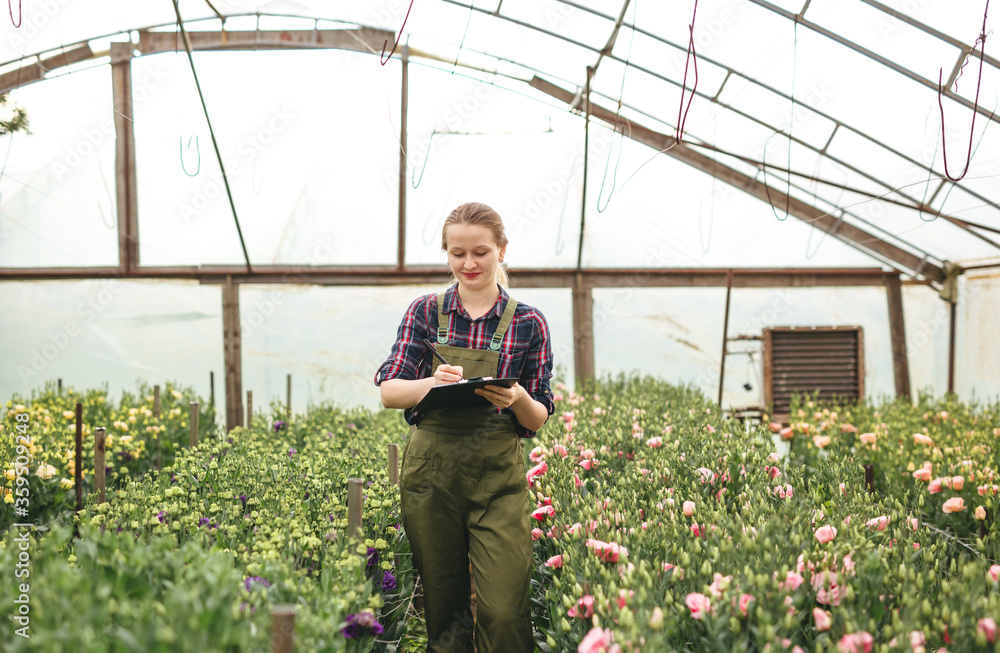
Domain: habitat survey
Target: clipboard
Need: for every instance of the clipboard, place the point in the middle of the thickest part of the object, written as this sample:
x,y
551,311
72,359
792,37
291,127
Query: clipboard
x,y
461,394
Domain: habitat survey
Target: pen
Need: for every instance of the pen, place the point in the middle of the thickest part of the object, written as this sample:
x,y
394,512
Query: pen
x,y
434,351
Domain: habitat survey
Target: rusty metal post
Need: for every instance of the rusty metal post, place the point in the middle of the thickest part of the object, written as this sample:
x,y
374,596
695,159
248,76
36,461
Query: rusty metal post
x,y
354,501
156,401
194,423
249,408
394,464
78,472
283,628
725,330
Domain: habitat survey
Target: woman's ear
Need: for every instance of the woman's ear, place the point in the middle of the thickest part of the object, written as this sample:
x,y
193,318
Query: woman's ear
x,y
503,250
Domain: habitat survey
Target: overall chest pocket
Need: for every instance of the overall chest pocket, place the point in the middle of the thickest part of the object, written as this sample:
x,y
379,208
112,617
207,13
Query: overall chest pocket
x,y
510,365
505,474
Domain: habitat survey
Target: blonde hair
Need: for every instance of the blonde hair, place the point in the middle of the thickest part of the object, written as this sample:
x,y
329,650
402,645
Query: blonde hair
x,y
477,213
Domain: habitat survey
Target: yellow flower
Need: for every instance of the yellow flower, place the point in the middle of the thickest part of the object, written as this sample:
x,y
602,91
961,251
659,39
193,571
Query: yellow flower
x,y
10,474
19,408
176,394
66,483
46,471
68,414
8,498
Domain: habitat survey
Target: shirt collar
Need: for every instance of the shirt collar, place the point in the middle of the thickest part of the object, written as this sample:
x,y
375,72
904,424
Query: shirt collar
x,y
452,303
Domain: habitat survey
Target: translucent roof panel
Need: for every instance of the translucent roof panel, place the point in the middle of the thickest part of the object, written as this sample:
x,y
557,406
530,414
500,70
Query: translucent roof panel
x,y
865,116
58,203
303,164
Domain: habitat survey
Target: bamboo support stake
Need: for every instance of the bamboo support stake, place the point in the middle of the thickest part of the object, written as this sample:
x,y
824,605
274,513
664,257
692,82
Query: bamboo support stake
x,y
249,408
354,500
283,628
60,386
156,401
211,388
99,461
78,471
289,401
194,423
394,464
870,478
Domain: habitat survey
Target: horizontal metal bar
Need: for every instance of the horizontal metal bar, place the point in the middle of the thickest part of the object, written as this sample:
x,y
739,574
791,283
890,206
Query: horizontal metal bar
x,y
363,39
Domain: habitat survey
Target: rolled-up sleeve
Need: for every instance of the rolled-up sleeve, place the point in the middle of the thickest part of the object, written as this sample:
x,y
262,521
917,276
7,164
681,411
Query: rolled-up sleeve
x,y
537,370
408,350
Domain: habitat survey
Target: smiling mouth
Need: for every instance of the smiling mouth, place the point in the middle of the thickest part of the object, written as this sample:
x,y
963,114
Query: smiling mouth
x,y
472,275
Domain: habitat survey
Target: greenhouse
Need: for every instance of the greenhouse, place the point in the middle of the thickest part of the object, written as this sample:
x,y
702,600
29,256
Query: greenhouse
x,y
750,225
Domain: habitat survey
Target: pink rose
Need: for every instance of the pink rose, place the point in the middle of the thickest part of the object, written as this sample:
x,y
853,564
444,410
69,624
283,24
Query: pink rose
x,y
719,584
821,441
773,472
586,464
913,522
560,450
568,416
583,608
922,474
698,604
597,641
825,533
537,470
555,562
917,638
786,433
654,442
783,491
920,438
988,627
994,573
957,483
688,508
537,534
822,619
696,530
955,504
576,481
775,427
678,572
541,513
848,428
879,523
792,581
867,438
745,603
935,486
855,643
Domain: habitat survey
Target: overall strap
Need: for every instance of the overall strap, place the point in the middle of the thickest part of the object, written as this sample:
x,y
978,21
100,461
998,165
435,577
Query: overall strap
x,y
505,320
442,337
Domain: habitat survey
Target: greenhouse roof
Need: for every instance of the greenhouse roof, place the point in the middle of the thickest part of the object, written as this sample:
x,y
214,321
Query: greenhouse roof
x,y
827,112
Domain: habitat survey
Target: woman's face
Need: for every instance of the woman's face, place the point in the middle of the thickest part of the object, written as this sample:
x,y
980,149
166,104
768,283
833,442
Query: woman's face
x,y
473,255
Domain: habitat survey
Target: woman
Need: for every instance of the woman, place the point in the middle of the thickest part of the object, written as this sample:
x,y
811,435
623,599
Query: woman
x,y
463,488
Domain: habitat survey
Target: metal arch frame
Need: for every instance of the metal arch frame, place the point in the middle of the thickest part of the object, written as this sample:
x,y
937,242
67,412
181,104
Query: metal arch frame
x,y
232,40
918,206
730,71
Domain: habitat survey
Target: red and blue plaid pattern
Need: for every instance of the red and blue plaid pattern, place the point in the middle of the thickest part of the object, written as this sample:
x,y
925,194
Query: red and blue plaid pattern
x,y
526,352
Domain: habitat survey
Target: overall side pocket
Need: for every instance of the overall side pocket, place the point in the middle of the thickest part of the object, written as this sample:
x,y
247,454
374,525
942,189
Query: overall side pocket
x,y
505,475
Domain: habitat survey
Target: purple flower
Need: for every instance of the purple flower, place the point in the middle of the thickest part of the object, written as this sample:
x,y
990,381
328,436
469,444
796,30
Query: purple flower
x,y
203,521
372,556
161,516
389,583
253,582
278,425
292,452
243,499
351,426
360,624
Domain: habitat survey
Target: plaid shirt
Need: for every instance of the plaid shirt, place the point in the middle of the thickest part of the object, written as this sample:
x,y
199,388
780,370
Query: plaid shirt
x,y
525,352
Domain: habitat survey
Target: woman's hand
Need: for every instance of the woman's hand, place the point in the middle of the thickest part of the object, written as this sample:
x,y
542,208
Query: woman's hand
x,y
447,374
500,396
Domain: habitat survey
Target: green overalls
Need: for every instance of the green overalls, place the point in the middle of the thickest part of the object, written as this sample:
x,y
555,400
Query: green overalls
x,y
465,497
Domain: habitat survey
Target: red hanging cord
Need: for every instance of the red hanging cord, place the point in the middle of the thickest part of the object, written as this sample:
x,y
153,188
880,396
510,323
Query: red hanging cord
x,y
691,54
981,41
384,59
20,12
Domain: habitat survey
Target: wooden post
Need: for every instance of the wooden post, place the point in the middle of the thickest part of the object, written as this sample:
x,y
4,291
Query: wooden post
x,y
99,434
211,389
897,329
78,472
288,403
870,478
233,356
283,628
354,501
59,381
394,464
156,401
125,177
194,423
583,329
249,408
951,349
403,119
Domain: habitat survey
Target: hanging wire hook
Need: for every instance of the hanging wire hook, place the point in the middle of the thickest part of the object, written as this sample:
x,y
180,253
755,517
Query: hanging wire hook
x,y
767,188
416,182
981,41
384,59
691,55
180,141
952,188
20,13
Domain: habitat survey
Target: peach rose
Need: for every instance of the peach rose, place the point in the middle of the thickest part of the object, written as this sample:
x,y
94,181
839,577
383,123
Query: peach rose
x,y
879,523
935,486
980,513
786,433
867,438
821,441
957,483
920,438
955,504
688,508
922,474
